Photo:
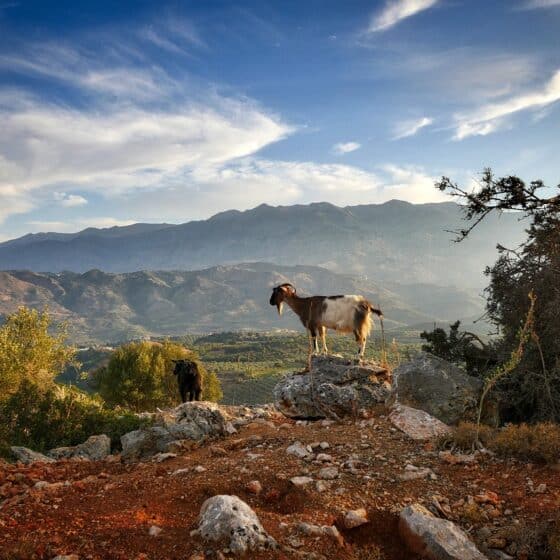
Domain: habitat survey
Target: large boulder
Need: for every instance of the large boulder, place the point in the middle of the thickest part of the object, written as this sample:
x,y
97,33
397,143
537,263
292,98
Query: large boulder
x,y
28,456
192,421
417,424
437,387
434,538
95,448
230,520
334,387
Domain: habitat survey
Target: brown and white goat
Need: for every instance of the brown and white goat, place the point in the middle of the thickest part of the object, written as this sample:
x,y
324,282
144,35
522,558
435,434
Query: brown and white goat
x,y
351,314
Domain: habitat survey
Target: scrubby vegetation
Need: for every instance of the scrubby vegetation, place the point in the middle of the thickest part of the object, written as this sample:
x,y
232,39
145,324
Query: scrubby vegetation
x,y
58,416
531,390
38,412
538,442
140,376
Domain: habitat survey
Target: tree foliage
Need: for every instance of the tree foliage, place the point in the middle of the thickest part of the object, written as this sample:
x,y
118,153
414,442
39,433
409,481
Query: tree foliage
x,y
29,351
460,347
532,391
59,415
140,376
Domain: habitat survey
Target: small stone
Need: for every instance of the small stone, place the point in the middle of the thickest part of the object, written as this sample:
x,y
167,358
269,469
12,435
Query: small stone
x,y
285,426
309,529
180,471
160,457
324,457
328,473
540,489
301,481
321,486
299,450
154,531
355,518
254,487
334,533
324,445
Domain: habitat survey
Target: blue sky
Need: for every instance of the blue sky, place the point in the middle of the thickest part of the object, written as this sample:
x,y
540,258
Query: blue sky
x,y
119,112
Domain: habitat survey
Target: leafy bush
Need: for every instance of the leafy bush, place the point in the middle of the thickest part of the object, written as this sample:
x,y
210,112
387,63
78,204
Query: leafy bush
x,y
140,376
59,416
29,352
539,442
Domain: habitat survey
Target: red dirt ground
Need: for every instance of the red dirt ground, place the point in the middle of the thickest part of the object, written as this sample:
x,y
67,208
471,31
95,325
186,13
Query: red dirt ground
x,y
106,508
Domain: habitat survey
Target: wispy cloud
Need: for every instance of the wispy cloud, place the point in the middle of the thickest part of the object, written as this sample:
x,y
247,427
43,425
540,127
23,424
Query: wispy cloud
x,y
536,4
246,183
408,128
345,147
397,10
79,224
70,200
491,117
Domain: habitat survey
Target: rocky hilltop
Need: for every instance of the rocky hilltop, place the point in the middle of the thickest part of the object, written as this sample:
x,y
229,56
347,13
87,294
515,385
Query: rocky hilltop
x,y
206,481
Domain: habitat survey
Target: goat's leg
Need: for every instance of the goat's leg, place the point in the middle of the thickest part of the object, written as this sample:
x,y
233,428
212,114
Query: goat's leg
x,y
310,351
324,339
362,348
183,391
197,394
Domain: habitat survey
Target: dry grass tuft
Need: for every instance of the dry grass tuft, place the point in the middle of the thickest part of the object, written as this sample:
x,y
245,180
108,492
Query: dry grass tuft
x,y
539,442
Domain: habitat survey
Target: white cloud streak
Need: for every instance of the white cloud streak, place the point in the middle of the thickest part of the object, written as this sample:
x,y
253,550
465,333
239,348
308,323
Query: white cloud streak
x,y
397,10
493,116
408,128
70,200
537,4
78,224
345,147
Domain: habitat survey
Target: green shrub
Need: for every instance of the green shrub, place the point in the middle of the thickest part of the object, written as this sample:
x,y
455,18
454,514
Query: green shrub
x,y
59,416
28,350
140,377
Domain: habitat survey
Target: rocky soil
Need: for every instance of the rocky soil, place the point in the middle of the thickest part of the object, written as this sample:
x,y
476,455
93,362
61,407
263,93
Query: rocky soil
x,y
337,493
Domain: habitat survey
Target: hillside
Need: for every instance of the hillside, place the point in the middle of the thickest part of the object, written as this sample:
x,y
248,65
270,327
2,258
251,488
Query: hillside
x,y
105,509
391,242
101,306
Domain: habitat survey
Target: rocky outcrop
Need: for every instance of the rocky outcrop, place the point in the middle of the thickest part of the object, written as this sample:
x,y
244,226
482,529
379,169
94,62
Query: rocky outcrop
x,y
334,387
27,456
95,448
439,388
229,519
417,424
192,421
434,538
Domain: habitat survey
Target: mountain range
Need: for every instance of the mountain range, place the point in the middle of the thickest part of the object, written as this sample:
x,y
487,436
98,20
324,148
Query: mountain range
x,y
391,242
108,307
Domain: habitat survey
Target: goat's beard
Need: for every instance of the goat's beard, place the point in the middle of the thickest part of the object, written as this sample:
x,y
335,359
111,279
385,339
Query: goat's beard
x,y
280,305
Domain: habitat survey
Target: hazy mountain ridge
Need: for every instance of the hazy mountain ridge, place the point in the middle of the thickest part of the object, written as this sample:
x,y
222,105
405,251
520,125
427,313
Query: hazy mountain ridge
x,y
396,241
102,306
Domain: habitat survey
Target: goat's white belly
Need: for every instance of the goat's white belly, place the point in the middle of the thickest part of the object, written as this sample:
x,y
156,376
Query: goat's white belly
x,y
339,313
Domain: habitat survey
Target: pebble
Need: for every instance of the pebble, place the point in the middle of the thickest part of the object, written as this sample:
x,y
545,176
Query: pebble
x,y
328,473
324,458
254,487
154,531
301,481
199,469
355,518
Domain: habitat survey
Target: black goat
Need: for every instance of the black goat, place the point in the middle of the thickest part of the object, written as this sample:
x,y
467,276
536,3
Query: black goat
x,y
189,379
